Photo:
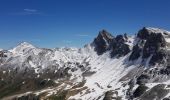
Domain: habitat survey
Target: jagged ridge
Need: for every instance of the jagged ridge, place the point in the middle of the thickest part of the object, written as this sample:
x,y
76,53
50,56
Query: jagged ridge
x,y
121,67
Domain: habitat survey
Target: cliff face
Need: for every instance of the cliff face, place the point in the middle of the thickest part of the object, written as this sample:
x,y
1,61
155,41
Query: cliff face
x,y
106,42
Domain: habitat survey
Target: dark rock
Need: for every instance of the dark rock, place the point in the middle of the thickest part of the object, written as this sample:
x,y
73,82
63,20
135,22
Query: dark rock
x,y
27,97
135,53
88,73
102,42
109,95
165,71
140,90
105,42
121,49
168,58
153,44
166,98
125,36
149,43
3,54
142,79
157,92
120,39
158,57
143,33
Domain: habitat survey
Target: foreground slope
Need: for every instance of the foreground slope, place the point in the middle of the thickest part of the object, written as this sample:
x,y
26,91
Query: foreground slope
x,y
110,68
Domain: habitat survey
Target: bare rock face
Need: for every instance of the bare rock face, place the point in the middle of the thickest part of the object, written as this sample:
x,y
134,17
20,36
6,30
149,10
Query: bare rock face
x,y
111,95
119,48
108,95
136,52
27,97
157,92
102,42
140,90
150,43
142,79
105,42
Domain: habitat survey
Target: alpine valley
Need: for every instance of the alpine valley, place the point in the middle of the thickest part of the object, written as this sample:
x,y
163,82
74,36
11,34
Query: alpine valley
x,y
118,67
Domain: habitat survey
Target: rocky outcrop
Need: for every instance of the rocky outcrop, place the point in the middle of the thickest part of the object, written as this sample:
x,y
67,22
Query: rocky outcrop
x,y
111,95
140,90
27,97
142,79
136,52
3,53
150,43
106,42
119,48
155,93
102,42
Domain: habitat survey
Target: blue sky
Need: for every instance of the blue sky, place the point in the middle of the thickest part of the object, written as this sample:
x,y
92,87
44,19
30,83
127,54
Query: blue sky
x,y
58,23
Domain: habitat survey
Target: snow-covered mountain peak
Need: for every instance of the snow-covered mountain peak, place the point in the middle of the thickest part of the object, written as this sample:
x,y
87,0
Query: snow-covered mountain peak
x,y
26,44
158,30
146,32
165,33
22,48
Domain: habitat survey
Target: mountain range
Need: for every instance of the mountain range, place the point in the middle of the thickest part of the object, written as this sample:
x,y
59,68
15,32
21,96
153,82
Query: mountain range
x,y
111,67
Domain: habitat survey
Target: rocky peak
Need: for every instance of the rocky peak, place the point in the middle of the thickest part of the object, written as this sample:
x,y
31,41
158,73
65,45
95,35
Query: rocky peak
x,y
102,42
116,45
121,38
158,30
151,43
106,35
144,33
119,46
